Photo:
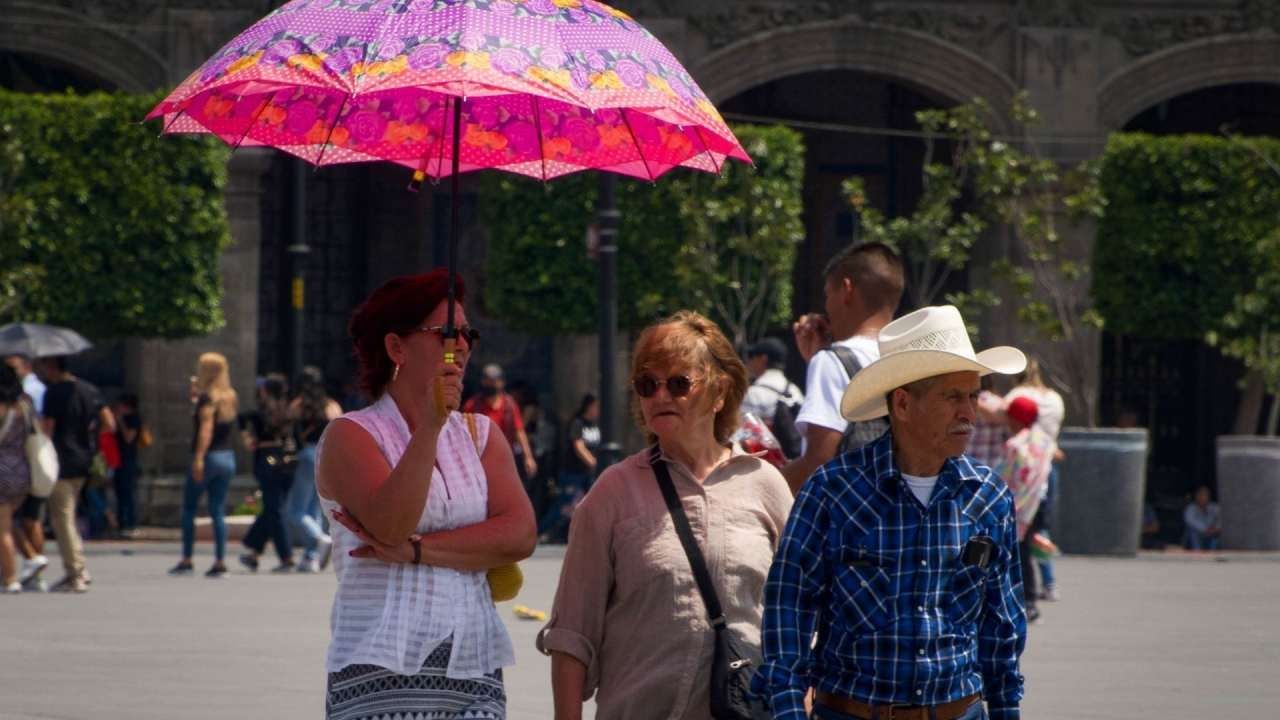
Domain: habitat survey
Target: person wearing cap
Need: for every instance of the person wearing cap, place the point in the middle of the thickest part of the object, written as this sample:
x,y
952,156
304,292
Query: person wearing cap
x,y
503,410
769,385
1025,467
896,591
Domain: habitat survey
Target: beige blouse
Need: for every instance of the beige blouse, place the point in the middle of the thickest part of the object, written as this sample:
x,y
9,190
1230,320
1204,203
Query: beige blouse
x,y
627,605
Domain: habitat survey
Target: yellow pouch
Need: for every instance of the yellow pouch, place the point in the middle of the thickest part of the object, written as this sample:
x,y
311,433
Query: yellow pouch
x,y
505,581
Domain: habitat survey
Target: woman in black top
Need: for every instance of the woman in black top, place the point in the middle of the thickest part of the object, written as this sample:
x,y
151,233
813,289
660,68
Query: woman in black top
x,y
269,432
213,464
579,469
125,479
313,409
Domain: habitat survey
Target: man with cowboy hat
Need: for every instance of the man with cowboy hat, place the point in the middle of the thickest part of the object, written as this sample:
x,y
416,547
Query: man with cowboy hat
x,y
901,557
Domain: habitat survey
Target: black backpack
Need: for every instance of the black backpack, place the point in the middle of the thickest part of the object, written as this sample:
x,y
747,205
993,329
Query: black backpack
x,y
858,433
784,422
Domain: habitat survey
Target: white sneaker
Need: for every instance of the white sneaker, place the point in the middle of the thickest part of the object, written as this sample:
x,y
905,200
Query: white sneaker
x,y
308,565
13,588
32,568
324,548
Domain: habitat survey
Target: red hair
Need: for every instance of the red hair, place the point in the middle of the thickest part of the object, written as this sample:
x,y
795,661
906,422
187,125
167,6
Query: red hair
x,y
398,306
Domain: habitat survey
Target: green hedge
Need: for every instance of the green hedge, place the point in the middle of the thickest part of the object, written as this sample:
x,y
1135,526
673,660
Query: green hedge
x,y
748,215
1179,240
127,226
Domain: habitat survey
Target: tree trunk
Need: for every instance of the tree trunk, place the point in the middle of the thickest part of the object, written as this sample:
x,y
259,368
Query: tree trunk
x,y
1250,407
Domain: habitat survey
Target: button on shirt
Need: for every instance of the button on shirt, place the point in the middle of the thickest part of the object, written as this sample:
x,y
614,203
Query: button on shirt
x,y
877,575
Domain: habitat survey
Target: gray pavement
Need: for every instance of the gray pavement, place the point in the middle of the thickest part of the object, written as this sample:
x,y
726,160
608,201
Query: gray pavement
x,y
1170,637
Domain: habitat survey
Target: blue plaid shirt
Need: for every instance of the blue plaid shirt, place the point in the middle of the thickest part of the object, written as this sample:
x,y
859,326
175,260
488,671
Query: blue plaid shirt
x,y
877,576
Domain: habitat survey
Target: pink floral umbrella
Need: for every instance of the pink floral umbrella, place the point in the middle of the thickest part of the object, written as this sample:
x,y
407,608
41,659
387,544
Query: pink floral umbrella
x,y
541,88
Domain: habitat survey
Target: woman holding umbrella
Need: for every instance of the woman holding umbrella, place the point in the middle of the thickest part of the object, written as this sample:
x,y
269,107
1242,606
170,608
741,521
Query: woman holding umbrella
x,y
424,508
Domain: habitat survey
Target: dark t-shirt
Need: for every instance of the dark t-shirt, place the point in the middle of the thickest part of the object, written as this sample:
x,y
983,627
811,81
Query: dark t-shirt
x,y
589,434
128,450
73,406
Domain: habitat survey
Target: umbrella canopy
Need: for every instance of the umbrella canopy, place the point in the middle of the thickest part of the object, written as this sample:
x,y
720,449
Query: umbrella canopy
x,y
537,87
35,340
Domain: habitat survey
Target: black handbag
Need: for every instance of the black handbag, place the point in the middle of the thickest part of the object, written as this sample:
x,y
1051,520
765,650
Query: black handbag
x,y
731,670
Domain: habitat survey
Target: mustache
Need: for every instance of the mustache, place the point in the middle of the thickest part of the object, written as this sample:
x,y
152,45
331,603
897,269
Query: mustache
x,y
963,427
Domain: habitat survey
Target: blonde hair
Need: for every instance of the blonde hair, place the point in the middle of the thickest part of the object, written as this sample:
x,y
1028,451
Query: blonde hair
x,y
689,339
213,378
1031,377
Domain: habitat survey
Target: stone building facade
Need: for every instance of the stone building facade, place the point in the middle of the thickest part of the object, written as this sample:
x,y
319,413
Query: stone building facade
x,y
840,69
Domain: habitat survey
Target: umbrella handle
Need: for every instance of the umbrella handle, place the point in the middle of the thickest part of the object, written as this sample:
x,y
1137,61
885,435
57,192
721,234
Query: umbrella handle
x,y
450,356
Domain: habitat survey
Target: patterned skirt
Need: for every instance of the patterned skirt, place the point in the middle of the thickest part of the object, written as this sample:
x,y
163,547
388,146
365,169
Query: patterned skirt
x,y
369,692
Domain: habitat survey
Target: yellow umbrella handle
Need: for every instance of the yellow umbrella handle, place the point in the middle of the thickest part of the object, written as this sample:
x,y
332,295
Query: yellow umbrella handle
x,y
450,356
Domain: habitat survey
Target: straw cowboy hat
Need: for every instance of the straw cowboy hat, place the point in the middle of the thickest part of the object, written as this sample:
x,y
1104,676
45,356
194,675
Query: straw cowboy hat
x,y
930,341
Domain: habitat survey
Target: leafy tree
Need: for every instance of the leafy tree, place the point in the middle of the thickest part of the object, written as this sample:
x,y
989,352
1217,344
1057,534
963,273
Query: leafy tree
x,y
17,275
741,231
1188,248
991,184
125,227
722,245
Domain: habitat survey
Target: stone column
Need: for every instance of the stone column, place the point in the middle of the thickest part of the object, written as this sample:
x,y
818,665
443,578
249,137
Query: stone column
x,y
161,370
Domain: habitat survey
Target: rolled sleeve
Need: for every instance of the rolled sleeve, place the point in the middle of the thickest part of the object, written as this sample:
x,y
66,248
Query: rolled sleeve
x,y
1003,631
792,597
577,620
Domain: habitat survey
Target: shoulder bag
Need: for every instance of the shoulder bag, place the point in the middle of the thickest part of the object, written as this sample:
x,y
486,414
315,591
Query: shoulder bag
x,y
42,457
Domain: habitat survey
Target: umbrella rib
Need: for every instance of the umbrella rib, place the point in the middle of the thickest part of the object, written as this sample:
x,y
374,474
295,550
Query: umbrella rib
x,y
169,124
636,142
537,123
336,119
444,121
707,149
252,121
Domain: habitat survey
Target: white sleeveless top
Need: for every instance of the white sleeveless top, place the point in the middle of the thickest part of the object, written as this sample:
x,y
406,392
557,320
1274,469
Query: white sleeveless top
x,y
393,616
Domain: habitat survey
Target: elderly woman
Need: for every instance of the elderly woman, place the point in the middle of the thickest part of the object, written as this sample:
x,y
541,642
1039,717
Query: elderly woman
x,y
426,502
629,624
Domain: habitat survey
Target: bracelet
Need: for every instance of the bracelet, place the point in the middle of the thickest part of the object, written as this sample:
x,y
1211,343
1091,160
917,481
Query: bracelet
x,y
416,541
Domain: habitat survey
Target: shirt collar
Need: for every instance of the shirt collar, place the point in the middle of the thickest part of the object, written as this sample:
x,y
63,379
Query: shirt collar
x,y
641,459
954,472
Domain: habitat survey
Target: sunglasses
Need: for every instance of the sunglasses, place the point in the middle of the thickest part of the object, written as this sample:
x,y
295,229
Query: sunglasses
x,y
466,332
646,386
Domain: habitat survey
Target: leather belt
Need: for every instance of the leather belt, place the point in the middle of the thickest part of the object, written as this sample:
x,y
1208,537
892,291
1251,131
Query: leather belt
x,y
849,706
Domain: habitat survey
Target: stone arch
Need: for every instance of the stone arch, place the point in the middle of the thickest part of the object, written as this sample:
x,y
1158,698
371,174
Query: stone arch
x,y
906,55
81,43
1222,60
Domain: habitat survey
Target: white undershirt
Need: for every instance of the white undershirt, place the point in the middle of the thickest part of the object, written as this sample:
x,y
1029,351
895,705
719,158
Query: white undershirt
x,y
921,487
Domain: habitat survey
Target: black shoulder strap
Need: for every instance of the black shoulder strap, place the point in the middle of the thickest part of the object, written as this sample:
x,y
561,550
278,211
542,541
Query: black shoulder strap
x,y
850,361
696,561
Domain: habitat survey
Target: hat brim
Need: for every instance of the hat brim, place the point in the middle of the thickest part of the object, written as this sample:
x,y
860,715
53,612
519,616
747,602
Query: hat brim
x,y
864,399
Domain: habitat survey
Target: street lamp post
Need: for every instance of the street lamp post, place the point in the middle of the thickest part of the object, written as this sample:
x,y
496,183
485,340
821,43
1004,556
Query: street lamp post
x,y
607,217
298,251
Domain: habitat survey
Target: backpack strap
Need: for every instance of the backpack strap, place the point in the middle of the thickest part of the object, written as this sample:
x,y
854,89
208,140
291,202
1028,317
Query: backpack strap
x,y
847,359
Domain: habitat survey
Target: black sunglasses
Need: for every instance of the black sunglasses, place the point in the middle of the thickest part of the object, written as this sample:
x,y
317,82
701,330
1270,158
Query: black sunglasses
x,y
646,386
466,332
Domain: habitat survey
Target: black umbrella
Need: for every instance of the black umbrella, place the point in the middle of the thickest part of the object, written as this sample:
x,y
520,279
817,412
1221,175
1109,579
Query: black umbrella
x,y
35,340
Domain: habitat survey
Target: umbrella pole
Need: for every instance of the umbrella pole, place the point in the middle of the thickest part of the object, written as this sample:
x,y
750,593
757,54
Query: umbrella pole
x,y
450,330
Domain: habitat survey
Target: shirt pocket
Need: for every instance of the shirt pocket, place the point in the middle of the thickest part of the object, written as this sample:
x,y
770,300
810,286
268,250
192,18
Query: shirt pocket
x,y
968,588
863,585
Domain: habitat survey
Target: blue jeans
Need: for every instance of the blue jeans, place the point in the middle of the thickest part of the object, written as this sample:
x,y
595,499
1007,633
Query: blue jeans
x,y
302,506
126,482
1199,541
555,520
977,711
270,524
219,468
96,507
1046,507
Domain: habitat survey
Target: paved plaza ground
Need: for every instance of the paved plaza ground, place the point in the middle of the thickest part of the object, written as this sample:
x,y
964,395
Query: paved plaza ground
x,y
1169,637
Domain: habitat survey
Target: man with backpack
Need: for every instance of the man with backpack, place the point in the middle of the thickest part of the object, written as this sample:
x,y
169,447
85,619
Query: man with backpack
x,y
863,287
772,397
